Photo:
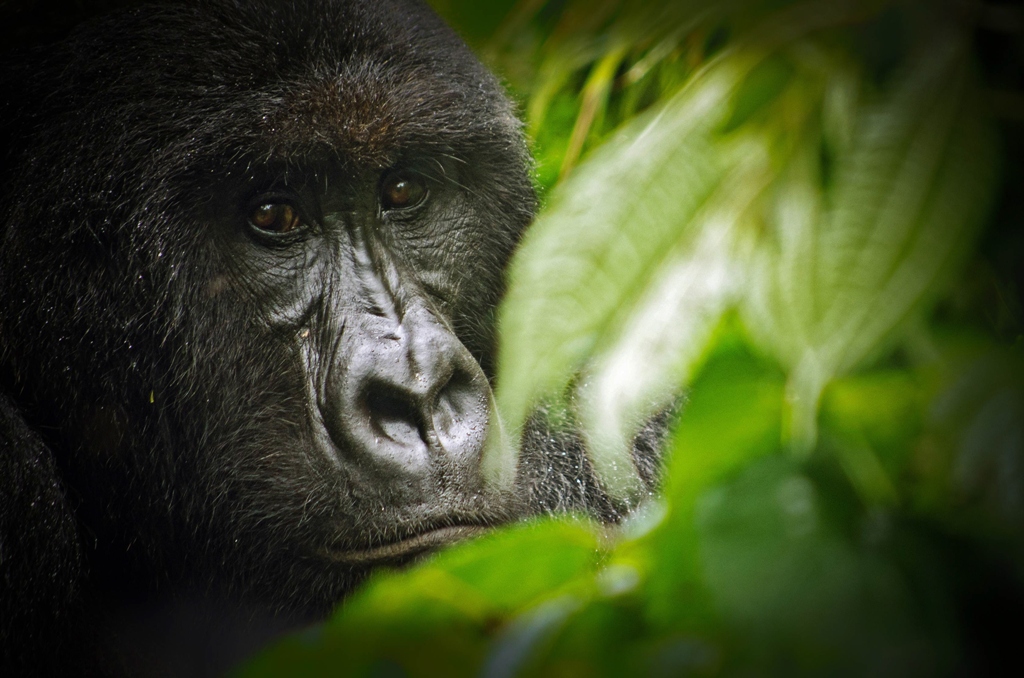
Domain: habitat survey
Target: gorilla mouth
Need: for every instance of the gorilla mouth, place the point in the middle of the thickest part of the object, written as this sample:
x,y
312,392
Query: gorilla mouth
x,y
415,545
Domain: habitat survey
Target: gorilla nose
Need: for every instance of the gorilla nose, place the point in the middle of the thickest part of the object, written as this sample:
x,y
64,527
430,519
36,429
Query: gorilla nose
x,y
422,408
415,402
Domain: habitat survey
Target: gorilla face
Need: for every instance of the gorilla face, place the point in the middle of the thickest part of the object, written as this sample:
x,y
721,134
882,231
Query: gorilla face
x,y
251,256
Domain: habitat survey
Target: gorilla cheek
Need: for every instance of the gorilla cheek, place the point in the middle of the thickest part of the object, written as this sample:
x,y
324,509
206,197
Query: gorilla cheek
x,y
406,405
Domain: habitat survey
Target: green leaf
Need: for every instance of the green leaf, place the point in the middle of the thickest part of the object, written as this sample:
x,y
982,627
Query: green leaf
x,y
475,21
799,597
523,639
979,420
848,268
733,416
436,618
763,84
643,266
516,567
871,421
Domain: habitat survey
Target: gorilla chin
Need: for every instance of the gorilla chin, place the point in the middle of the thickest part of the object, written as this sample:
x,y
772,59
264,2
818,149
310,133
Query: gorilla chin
x,y
250,255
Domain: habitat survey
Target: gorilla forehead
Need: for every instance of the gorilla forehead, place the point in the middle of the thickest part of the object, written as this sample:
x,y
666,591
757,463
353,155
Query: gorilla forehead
x,y
295,80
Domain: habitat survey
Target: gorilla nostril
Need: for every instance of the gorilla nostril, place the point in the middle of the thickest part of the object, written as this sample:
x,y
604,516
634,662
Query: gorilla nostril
x,y
394,415
457,401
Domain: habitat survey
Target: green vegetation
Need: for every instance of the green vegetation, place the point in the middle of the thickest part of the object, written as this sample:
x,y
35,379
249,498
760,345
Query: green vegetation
x,y
798,213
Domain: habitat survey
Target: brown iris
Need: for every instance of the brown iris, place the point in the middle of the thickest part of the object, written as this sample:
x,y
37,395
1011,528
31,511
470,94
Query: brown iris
x,y
401,191
275,217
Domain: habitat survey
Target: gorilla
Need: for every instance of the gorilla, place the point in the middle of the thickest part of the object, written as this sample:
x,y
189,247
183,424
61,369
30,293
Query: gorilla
x,y
250,253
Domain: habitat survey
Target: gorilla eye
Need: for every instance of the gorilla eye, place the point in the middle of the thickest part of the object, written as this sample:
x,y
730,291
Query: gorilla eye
x,y
277,218
402,191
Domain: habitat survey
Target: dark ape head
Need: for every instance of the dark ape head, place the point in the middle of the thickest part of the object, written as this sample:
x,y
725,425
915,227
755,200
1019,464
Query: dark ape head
x,y
250,257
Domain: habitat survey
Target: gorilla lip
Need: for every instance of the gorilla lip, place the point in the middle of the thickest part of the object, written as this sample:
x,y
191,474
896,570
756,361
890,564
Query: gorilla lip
x,y
414,545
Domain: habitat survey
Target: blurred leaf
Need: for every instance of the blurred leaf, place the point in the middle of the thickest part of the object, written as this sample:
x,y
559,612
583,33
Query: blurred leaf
x,y
521,641
871,422
626,281
980,418
733,415
799,596
474,21
761,85
594,100
851,265
645,266
887,406
657,344
435,619
549,554
592,251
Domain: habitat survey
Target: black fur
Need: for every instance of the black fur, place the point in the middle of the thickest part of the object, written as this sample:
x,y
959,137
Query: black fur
x,y
177,461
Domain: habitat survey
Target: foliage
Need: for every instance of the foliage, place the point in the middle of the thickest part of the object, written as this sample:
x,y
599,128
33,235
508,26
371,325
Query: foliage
x,y
744,201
